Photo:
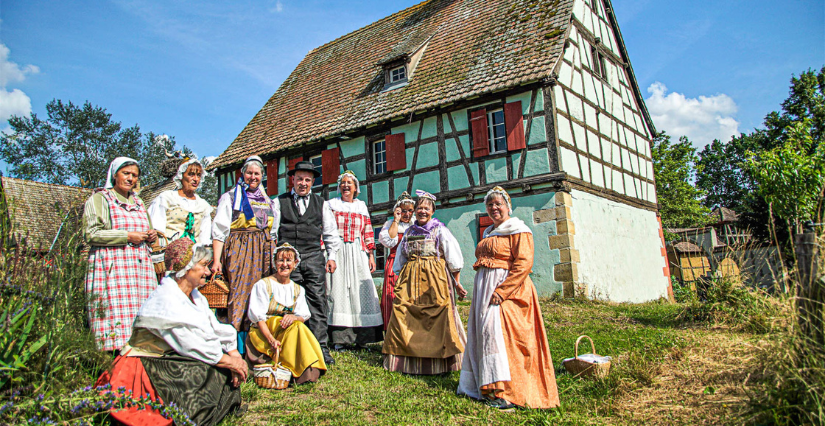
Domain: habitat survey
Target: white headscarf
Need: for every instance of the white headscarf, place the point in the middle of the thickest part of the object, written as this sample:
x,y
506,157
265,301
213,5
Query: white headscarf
x,y
116,165
182,169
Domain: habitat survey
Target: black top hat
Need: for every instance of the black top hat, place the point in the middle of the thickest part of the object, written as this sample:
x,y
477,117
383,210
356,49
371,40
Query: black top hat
x,y
305,166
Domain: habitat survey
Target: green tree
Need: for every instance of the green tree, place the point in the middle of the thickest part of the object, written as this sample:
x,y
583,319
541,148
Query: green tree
x,y
791,177
75,144
674,167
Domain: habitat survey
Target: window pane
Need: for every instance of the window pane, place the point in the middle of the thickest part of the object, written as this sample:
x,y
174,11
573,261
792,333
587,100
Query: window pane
x,y
316,162
498,137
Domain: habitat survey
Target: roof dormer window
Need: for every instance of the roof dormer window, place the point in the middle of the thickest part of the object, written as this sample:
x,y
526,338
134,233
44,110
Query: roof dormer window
x,y
398,74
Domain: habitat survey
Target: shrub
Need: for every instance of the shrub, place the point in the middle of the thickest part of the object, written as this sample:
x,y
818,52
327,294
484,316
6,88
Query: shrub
x,y
729,303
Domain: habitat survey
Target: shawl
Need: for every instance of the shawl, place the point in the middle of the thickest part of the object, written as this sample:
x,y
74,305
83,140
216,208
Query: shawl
x,y
511,226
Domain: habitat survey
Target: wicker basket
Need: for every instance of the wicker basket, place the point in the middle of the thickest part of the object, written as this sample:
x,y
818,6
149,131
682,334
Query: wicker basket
x,y
272,376
158,253
216,292
588,365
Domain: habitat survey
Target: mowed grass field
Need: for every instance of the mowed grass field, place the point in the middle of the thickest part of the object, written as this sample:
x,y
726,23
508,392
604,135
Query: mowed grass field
x,y
665,371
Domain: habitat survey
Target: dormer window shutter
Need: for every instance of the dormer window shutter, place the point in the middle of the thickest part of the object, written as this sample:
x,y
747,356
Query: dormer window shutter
x,y
330,166
514,127
396,152
291,165
272,177
481,142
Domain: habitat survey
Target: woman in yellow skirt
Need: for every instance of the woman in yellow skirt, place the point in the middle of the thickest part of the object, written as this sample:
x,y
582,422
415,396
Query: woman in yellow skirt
x,y
277,311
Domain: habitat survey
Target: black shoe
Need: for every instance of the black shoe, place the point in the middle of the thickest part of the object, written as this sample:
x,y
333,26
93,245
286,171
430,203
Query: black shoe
x,y
328,359
499,403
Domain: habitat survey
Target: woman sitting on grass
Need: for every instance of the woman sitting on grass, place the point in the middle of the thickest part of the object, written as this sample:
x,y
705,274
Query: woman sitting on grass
x,y
178,350
277,311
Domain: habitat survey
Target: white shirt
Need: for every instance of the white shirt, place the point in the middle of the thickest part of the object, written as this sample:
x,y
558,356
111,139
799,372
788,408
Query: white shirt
x,y
384,236
448,247
170,199
282,293
332,241
191,329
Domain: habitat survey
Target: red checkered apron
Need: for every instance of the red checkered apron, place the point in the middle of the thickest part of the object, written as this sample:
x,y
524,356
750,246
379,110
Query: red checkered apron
x,y
120,278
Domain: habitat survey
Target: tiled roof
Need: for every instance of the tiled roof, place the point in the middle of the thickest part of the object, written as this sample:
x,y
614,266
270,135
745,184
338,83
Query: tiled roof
x,y
38,208
472,47
724,215
149,193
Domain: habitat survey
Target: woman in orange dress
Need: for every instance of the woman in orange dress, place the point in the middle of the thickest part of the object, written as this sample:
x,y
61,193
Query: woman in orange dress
x,y
506,361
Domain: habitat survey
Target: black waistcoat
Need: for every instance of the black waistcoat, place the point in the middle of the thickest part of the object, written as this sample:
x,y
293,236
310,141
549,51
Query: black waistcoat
x,y
303,232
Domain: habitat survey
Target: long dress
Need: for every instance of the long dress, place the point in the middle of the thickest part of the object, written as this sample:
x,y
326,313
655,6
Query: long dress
x,y
355,310
120,275
172,354
271,301
507,353
247,250
390,277
425,334
177,216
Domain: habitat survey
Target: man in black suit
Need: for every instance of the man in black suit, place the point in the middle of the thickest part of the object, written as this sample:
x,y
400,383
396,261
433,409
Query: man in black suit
x,y
304,220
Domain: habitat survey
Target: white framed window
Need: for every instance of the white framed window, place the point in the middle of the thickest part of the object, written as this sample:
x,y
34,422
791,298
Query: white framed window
x,y
379,156
398,74
498,133
316,163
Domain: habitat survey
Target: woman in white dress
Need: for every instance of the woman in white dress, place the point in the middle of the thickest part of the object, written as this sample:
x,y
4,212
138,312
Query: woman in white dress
x,y
181,212
355,312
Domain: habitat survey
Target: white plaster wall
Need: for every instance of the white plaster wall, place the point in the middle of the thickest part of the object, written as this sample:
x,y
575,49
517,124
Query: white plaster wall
x,y
620,249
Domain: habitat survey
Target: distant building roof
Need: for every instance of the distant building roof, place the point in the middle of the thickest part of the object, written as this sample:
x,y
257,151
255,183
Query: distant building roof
x,y
38,209
149,193
724,215
471,47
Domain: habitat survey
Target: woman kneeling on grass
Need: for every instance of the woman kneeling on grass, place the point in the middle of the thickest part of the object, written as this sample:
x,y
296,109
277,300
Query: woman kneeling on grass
x,y
507,361
277,311
179,351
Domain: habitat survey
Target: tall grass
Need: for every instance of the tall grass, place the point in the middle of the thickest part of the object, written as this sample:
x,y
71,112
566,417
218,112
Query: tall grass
x,y
46,347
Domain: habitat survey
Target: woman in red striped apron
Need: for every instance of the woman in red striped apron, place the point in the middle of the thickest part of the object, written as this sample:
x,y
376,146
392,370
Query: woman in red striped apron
x,y
390,235
120,275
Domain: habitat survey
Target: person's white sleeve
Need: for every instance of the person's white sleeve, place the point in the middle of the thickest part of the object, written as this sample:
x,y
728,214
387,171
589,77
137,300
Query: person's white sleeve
x,y
157,213
258,302
194,343
205,235
332,241
384,236
400,257
451,250
276,219
223,218
301,307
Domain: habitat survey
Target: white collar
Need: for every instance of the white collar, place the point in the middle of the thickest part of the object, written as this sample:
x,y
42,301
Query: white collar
x,y
511,226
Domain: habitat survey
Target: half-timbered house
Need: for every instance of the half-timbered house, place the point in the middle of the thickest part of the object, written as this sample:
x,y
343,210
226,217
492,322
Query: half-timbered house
x,y
457,96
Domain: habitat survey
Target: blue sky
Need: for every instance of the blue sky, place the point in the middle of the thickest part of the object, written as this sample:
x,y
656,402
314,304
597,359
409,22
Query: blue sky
x,y
200,70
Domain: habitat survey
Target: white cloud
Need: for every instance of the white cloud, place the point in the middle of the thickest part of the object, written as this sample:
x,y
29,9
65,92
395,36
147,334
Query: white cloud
x,y
701,119
10,72
14,103
279,7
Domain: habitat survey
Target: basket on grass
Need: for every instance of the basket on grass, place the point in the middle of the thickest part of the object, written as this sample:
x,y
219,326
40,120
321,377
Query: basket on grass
x,y
158,253
587,365
216,292
272,376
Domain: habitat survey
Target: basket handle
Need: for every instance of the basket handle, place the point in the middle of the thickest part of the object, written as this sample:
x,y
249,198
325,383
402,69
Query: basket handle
x,y
277,357
592,346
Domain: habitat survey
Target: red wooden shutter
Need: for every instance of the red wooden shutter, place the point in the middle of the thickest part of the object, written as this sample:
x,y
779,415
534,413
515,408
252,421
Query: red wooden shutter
x,y
237,176
483,223
330,166
272,177
513,125
481,138
291,165
396,152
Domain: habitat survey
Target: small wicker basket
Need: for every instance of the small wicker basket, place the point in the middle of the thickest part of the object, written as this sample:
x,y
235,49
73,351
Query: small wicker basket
x,y
272,376
590,365
158,251
216,292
